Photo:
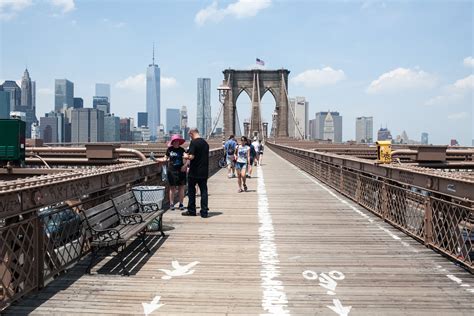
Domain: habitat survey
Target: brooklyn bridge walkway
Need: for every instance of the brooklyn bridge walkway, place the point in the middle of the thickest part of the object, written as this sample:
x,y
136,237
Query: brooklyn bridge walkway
x,y
288,246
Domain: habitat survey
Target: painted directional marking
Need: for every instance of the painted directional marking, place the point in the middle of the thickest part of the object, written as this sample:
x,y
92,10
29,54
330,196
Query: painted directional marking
x,y
310,275
179,270
149,308
338,308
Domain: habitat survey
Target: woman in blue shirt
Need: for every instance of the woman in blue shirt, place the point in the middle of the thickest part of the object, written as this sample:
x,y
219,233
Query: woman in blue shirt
x,y
242,158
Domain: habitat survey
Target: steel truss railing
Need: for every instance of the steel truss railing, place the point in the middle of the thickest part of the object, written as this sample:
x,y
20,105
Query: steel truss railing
x,y
41,234
441,221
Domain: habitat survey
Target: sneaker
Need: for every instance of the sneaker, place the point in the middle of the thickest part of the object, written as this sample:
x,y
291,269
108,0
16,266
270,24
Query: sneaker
x,y
172,207
245,187
234,176
181,206
240,191
204,214
188,213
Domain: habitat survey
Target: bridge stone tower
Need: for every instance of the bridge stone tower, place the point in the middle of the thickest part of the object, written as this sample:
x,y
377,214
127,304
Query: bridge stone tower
x,y
256,83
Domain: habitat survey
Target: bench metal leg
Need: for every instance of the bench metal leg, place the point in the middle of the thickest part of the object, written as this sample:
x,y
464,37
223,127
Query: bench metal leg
x,y
122,263
161,226
91,263
142,237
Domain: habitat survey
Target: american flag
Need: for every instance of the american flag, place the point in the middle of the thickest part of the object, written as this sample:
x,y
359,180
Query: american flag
x,y
260,62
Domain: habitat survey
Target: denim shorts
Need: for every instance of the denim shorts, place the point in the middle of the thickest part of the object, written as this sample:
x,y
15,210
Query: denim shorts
x,y
240,165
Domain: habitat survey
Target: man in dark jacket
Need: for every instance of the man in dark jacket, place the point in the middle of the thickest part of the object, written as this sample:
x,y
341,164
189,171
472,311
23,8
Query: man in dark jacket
x,y
198,161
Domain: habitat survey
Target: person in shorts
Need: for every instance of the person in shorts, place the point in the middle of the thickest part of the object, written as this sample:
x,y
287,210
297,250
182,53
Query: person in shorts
x,y
229,148
242,161
176,169
260,156
253,154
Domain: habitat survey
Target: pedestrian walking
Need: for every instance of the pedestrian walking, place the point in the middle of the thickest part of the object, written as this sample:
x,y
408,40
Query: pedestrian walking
x,y
260,156
176,170
242,157
253,153
256,146
229,148
198,161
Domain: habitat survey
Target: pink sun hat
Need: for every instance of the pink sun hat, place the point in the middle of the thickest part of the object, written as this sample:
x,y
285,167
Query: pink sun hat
x,y
176,137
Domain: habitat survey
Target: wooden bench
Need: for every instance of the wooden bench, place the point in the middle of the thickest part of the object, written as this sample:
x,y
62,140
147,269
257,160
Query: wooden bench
x,y
111,229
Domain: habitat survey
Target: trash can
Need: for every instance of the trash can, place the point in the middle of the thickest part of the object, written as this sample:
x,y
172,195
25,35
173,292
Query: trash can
x,y
150,194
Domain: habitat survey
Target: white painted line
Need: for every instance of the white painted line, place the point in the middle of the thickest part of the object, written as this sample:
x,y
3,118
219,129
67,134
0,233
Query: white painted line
x,y
274,300
455,279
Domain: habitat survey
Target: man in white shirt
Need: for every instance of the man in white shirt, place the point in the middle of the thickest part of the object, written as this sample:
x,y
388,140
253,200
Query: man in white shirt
x,y
256,145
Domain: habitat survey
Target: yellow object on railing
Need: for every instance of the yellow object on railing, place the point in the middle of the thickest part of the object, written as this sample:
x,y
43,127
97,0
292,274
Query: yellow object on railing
x,y
384,151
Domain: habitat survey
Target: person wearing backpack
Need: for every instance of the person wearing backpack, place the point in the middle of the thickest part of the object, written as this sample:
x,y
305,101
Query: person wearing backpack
x,y
253,154
229,147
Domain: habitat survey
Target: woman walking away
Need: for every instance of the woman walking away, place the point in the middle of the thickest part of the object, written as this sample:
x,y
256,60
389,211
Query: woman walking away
x,y
260,156
176,169
252,156
242,158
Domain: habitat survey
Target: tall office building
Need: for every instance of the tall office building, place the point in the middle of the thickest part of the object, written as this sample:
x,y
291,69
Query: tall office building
x,y
111,128
153,97
63,94
312,129
102,90
424,138
298,118
87,125
4,104
364,129
125,130
14,90
204,120
78,103
184,122
142,119
26,90
320,123
52,127
173,121
384,134
328,129
101,103
33,94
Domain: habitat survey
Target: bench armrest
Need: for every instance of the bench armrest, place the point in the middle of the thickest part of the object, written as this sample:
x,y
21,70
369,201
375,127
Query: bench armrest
x,y
106,234
131,219
148,207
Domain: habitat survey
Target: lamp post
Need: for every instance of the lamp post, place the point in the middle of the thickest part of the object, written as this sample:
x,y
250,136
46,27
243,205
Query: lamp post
x,y
223,90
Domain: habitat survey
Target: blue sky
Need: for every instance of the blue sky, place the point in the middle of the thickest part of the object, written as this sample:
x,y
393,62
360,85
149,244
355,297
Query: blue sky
x,y
407,63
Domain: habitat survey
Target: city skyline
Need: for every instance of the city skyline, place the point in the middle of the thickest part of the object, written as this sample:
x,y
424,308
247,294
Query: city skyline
x,y
354,84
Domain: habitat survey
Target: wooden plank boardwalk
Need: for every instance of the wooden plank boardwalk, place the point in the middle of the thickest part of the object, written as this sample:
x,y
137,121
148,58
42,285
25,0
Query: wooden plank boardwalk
x,y
288,246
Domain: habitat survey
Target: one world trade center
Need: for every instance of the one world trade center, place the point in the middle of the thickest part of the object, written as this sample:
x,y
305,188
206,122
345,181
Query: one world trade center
x,y
153,97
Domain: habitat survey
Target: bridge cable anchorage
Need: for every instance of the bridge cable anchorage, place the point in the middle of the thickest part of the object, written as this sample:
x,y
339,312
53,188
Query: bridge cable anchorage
x,y
288,102
220,112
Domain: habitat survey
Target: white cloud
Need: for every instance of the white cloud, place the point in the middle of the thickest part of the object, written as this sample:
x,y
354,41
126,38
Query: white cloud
x,y
458,116
138,83
45,91
401,79
314,78
469,61
454,93
10,8
64,5
239,9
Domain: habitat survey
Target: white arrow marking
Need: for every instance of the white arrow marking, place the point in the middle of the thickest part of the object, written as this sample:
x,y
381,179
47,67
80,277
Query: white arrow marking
x,y
179,270
327,282
338,308
154,305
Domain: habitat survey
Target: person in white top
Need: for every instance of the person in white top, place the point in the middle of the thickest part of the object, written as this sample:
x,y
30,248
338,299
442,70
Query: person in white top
x,y
256,145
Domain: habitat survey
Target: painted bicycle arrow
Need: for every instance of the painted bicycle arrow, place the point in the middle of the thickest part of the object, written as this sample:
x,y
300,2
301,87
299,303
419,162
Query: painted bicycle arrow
x,y
338,308
149,308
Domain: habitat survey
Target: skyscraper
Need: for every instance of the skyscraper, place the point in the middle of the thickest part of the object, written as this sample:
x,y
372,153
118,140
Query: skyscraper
x,y
203,117
26,90
364,129
14,90
111,128
328,129
87,125
142,119
384,134
173,121
4,104
153,97
298,111
64,94
101,103
78,103
319,126
184,122
102,90
424,139
52,127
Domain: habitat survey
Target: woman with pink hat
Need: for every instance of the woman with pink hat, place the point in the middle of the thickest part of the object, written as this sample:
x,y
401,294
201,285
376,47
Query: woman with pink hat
x,y
176,169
